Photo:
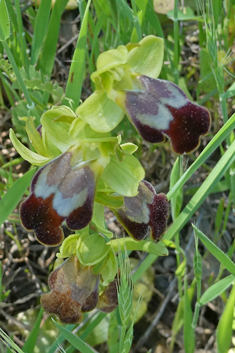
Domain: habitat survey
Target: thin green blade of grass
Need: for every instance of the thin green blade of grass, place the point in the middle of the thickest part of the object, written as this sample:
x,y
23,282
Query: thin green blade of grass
x,y
14,195
4,21
208,150
21,38
216,289
77,342
40,29
47,58
189,335
225,326
218,171
76,72
150,16
60,339
219,254
9,343
32,338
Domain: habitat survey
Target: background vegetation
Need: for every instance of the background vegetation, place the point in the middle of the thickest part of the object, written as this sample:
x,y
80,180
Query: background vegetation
x,y
187,299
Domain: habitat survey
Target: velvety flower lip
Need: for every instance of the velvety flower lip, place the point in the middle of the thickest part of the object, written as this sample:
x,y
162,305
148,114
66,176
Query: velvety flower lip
x,y
74,290
59,192
159,108
145,211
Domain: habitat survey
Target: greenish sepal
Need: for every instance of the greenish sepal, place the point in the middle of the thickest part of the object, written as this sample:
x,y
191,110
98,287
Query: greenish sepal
x,y
129,147
110,269
147,58
148,246
56,123
99,221
91,249
112,201
35,138
124,177
109,60
68,247
30,156
97,268
169,243
101,113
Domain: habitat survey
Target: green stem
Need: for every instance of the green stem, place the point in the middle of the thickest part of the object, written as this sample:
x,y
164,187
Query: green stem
x,y
144,245
176,43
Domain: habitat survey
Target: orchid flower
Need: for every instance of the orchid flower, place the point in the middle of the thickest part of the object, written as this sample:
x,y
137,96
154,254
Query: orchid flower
x,y
126,83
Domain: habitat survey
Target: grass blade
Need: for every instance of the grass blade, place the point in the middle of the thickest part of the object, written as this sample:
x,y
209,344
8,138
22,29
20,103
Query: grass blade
x,y
13,196
74,340
189,336
225,326
32,338
219,254
46,60
40,29
76,73
216,289
208,150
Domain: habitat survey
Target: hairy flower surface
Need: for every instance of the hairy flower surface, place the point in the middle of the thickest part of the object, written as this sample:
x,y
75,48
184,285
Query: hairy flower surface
x,y
145,211
59,192
74,290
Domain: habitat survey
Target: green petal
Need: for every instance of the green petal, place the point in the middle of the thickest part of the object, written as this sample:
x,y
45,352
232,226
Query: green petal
x,y
56,123
30,156
147,58
68,247
110,269
110,59
35,138
91,249
101,113
124,176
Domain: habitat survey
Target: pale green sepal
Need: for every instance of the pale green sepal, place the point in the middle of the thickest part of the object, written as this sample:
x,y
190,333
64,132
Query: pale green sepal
x,y
110,59
56,123
91,249
148,246
35,137
101,113
110,269
111,201
4,21
124,177
30,156
147,58
68,247
129,147
99,221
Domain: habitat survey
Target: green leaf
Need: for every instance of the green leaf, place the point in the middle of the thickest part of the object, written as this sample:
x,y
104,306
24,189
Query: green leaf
x,y
32,338
219,254
177,198
30,156
13,196
216,289
74,340
76,72
4,21
225,326
124,177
